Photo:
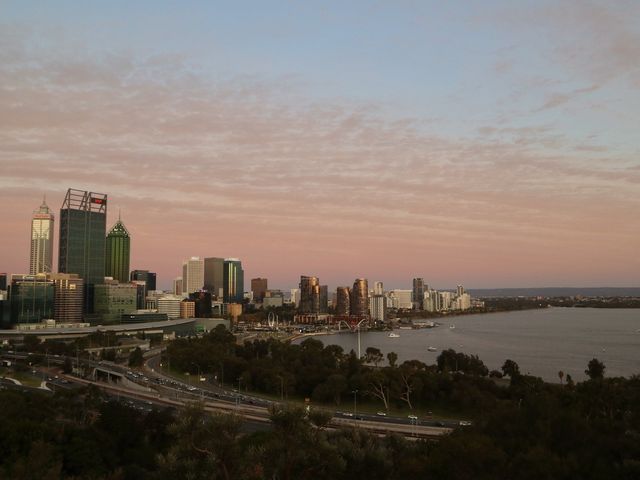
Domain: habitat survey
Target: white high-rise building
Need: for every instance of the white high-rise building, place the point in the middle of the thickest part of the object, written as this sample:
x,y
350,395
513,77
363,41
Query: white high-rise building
x,y
377,307
192,275
378,288
41,258
295,296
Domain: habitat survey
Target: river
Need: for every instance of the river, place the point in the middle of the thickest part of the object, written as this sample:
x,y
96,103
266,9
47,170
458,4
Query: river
x,y
542,342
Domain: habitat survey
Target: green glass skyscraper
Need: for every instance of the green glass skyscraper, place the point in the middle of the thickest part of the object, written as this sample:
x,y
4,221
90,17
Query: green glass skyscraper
x,y
118,252
83,224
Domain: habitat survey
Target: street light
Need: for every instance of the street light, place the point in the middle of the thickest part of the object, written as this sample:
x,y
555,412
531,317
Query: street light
x,y
355,405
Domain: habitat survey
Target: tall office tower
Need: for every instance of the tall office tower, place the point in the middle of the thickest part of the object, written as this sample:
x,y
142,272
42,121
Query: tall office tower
x,y
118,252
324,298
360,297
378,308
233,288
177,286
144,276
83,224
343,301
460,290
3,281
309,295
259,288
192,275
418,293
68,291
214,276
378,288
31,298
41,258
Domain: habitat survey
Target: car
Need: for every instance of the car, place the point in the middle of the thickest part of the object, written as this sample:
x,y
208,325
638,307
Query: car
x,y
412,417
465,423
440,424
347,414
381,414
191,389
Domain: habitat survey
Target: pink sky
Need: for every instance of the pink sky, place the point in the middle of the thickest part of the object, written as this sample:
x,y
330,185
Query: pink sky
x,y
339,188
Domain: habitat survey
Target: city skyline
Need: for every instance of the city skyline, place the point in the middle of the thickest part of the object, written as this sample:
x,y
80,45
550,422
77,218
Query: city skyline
x,y
488,145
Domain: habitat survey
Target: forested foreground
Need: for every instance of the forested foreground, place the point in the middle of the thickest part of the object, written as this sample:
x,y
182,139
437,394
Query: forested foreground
x,y
589,431
522,428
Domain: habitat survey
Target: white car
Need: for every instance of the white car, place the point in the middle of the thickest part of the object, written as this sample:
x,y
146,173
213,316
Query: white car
x,y
412,417
381,414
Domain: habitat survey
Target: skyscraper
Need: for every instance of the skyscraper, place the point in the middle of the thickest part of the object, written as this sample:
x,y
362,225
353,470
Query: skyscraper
x,y
41,257
233,288
360,297
214,276
118,252
259,287
83,224
378,288
192,275
324,298
309,294
418,293
343,301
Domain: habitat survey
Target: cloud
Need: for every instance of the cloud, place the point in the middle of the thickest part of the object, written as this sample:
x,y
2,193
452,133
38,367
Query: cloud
x,y
235,167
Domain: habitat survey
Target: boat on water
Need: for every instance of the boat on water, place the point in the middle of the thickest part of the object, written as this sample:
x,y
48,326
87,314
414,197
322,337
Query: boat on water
x,y
432,349
393,335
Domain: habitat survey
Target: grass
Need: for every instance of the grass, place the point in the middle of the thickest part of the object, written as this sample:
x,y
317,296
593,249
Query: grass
x,y
23,377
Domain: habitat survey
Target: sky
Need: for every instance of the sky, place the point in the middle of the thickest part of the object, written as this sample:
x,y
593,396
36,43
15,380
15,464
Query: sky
x,y
490,144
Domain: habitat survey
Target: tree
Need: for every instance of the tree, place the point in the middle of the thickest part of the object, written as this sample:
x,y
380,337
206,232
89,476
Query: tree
x,y
392,357
510,369
373,355
136,359
595,369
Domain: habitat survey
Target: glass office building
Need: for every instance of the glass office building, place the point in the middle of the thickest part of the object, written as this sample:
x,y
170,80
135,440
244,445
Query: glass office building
x,y
118,253
31,298
233,288
81,249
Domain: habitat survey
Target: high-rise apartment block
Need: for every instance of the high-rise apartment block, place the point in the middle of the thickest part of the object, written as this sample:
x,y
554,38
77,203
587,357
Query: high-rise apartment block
x,y
41,256
418,293
118,252
360,297
377,305
309,295
378,288
233,277
258,288
192,275
187,309
343,301
214,276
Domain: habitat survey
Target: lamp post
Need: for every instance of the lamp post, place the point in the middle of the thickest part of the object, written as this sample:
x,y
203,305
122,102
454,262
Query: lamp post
x,y
355,405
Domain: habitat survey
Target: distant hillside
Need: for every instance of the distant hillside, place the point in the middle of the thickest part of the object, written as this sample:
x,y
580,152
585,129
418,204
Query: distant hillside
x,y
557,292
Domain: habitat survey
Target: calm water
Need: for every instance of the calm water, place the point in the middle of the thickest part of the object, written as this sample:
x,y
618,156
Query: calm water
x,y
542,342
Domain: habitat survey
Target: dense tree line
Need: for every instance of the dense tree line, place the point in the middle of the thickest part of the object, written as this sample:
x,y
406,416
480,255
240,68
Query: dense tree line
x,y
328,375
590,430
